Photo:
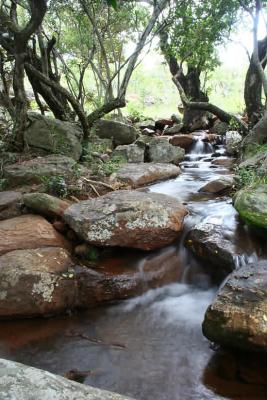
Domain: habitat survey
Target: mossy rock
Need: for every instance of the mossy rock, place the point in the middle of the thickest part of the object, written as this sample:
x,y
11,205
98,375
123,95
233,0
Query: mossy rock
x,y
251,203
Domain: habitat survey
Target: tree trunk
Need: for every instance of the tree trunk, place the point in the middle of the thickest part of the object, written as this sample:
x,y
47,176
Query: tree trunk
x,y
20,99
190,82
193,118
253,87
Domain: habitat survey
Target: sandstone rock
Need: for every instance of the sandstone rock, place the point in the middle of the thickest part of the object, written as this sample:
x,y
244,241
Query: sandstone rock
x,y
212,138
164,152
28,232
128,219
120,133
251,203
36,282
54,136
132,153
219,185
19,382
211,244
160,124
183,141
238,315
137,175
233,140
10,204
224,162
37,169
148,132
44,204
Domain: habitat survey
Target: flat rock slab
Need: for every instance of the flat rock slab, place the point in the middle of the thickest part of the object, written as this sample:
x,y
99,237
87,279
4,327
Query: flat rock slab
x,y
40,168
36,283
183,141
29,232
9,204
137,175
238,315
128,219
20,382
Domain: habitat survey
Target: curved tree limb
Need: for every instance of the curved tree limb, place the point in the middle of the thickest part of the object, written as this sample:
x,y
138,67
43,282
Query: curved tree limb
x,y
74,103
205,106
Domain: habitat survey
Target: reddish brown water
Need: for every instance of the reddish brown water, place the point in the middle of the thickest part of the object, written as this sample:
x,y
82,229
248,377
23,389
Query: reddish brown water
x,y
151,347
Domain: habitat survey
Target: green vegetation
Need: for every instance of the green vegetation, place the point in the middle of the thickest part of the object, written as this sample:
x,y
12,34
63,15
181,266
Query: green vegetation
x,y
56,185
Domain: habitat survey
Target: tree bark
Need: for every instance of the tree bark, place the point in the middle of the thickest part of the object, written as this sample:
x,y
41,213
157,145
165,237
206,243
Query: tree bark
x,y
253,86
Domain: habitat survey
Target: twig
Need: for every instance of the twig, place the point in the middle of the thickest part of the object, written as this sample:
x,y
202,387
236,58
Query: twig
x,y
94,189
98,183
98,341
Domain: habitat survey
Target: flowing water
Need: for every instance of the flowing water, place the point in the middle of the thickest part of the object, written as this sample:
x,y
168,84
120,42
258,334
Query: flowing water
x,y
150,347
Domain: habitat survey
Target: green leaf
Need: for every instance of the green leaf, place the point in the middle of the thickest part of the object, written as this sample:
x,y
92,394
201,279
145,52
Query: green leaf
x,y
113,3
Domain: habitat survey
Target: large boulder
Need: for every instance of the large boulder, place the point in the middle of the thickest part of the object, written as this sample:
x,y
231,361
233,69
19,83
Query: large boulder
x,y
137,175
233,140
128,219
238,315
29,232
54,136
120,133
164,152
36,282
217,186
211,244
131,153
41,168
44,204
251,203
10,204
20,382
183,141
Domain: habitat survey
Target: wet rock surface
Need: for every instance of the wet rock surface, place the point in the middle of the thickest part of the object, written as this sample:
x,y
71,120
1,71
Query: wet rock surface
x,y
212,244
29,232
20,382
128,219
238,315
10,204
220,185
137,175
36,282
183,141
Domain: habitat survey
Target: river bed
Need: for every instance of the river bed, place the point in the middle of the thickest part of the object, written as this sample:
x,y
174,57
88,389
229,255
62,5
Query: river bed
x,y
150,347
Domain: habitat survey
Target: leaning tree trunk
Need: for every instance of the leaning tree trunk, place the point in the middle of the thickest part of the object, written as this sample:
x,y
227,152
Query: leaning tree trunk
x,y
193,118
253,87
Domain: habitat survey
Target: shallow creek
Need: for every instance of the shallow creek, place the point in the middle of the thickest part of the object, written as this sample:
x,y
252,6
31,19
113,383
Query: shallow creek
x,y
149,347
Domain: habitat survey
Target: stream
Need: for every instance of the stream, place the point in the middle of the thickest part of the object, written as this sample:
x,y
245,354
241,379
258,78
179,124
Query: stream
x,y
150,347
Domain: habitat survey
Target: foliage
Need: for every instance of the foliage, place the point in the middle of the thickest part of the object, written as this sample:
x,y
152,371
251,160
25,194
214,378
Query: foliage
x,y
196,29
248,177
56,185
